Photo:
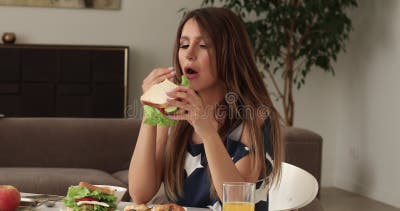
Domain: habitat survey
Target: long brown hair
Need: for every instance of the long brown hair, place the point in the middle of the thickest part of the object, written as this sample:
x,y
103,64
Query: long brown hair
x,y
237,69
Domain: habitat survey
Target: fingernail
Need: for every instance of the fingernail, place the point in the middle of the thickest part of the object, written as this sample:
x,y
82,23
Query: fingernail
x,y
172,73
170,68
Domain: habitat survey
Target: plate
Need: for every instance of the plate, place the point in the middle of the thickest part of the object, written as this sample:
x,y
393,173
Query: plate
x,y
122,205
34,201
119,191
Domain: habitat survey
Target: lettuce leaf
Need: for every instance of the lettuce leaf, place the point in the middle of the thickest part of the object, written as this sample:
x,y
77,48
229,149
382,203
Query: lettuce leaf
x,y
78,192
185,81
154,115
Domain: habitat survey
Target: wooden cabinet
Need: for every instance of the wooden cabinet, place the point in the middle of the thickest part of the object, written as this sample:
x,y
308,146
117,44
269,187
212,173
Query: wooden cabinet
x,y
63,80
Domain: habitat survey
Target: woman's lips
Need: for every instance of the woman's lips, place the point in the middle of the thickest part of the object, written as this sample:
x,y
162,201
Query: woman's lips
x,y
192,76
191,73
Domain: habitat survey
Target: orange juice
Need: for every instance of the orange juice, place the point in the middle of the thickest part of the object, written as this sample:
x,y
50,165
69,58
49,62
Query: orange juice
x,y
238,206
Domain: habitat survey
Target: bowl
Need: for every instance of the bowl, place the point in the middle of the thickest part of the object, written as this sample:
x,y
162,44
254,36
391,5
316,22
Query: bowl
x,y
119,191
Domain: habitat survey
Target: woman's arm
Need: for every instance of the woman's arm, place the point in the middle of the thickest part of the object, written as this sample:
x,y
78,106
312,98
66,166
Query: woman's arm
x,y
221,166
145,171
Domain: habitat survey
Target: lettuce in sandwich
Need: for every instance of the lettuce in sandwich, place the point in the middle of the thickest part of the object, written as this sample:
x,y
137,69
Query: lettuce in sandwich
x,y
87,197
155,103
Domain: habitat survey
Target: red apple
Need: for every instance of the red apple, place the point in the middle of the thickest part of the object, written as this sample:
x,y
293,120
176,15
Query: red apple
x,y
9,198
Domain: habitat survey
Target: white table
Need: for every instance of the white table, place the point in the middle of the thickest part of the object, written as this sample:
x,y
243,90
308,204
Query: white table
x,y
59,206
121,206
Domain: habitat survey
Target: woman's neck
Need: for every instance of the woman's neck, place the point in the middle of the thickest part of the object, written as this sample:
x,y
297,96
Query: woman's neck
x,y
213,95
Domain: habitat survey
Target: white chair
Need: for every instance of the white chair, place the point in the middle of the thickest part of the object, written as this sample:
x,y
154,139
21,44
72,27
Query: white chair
x,y
296,189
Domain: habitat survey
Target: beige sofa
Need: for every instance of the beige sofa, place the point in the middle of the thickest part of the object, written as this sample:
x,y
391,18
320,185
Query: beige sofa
x,y
47,155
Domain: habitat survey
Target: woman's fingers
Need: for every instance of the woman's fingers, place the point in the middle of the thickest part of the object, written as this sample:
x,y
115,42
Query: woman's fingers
x,y
184,92
181,104
187,95
183,111
177,95
160,74
157,76
182,89
190,105
179,117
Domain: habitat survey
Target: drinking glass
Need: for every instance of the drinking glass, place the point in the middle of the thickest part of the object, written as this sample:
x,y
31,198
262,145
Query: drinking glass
x,y
238,196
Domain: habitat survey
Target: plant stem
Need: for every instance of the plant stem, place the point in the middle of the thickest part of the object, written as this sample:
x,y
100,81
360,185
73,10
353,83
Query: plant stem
x,y
287,99
271,75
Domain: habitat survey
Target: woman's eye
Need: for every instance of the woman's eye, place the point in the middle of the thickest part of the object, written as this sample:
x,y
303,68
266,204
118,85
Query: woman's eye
x,y
184,46
203,46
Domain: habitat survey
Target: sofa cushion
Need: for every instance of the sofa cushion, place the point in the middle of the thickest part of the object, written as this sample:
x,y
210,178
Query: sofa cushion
x,y
95,143
53,180
122,176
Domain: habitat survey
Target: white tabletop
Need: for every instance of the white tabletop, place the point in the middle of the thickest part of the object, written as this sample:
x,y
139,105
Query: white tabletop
x,y
121,206
59,206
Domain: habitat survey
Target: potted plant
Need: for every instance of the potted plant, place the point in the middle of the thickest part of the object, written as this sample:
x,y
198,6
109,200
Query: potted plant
x,y
290,37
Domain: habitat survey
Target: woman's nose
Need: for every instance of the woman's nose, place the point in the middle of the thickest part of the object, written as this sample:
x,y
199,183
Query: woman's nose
x,y
190,54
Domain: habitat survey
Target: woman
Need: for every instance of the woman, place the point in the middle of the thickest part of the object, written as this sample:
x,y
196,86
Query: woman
x,y
228,130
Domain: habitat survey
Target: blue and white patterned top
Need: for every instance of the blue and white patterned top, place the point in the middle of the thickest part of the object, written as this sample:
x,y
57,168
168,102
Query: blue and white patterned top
x,y
196,189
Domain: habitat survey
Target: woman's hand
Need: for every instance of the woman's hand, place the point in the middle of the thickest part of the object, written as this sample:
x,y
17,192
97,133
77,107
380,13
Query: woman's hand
x,y
192,109
156,76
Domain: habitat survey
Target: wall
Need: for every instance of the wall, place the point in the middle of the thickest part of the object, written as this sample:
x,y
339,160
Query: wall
x,y
317,109
147,27
357,111
367,143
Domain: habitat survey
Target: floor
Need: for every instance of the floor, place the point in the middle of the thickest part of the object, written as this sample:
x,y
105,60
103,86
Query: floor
x,y
334,199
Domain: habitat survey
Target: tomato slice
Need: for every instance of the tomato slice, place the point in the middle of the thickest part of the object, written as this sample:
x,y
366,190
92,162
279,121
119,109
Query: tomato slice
x,y
162,110
86,199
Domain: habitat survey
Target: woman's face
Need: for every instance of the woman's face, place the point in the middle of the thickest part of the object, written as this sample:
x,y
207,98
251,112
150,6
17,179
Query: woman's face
x,y
197,58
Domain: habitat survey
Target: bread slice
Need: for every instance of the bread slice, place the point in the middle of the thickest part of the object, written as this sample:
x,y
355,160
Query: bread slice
x,y
93,188
168,207
156,96
137,207
70,209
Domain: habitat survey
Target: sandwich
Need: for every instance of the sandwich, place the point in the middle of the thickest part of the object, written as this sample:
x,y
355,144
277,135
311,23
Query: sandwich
x,y
168,207
158,207
155,102
156,96
137,207
87,197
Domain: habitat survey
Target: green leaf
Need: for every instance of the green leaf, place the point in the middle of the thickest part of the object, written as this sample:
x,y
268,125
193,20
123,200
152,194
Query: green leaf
x,y
154,115
185,81
78,192
262,74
